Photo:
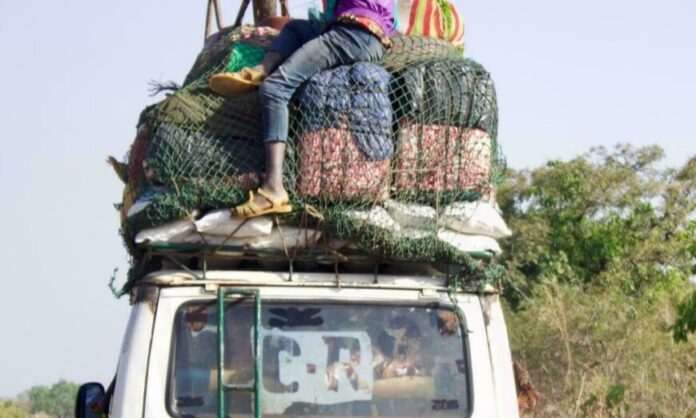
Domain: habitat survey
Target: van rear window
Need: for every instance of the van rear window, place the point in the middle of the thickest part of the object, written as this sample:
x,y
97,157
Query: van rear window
x,y
322,360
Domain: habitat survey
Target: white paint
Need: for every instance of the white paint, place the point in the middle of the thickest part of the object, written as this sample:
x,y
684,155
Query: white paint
x,y
312,387
131,378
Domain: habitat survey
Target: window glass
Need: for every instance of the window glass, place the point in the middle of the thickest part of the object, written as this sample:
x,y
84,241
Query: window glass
x,y
322,360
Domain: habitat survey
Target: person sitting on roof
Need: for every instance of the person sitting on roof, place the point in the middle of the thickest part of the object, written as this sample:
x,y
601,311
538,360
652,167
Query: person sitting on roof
x,y
356,30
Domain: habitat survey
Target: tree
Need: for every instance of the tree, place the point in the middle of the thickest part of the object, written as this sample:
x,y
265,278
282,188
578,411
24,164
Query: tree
x,y
58,400
602,219
598,268
686,319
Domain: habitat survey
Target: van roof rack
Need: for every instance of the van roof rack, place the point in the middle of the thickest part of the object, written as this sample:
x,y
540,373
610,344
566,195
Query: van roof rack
x,y
197,260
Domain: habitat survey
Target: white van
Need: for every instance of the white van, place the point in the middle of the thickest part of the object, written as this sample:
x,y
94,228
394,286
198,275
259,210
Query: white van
x,y
280,344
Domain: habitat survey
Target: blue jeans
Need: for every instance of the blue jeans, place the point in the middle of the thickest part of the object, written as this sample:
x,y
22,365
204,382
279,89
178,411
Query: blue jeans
x,y
307,50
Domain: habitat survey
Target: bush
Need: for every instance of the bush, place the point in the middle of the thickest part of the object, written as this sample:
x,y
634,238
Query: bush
x,y
604,354
9,409
597,283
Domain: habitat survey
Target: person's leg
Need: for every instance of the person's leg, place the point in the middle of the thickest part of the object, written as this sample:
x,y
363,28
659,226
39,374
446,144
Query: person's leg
x,y
294,34
338,46
273,179
270,62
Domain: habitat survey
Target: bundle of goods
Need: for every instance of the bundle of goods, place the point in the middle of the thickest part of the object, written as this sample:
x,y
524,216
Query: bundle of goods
x,y
408,50
437,19
344,139
433,18
446,92
380,158
332,167
419,165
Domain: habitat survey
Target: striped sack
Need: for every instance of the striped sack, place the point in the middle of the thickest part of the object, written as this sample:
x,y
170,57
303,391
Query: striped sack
x,y
432,18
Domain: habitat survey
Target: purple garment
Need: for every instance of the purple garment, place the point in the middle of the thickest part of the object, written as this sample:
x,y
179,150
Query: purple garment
x,y
381,11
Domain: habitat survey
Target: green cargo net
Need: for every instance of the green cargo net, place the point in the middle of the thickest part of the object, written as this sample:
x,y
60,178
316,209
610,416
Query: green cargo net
x,y
407,137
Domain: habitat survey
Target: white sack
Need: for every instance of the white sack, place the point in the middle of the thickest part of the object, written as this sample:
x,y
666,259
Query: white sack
x,y
173,232
469,243
411,215
293,237
219,222
377,216
476,218
139,206
143,201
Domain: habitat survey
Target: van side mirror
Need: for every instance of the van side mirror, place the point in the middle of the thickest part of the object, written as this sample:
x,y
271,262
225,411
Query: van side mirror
x,y
89,395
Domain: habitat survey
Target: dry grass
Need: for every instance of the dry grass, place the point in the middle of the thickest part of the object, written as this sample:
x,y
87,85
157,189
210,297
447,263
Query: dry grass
x,y
604,354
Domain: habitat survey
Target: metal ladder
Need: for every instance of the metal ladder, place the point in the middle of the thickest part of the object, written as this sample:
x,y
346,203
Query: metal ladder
x,y
255,387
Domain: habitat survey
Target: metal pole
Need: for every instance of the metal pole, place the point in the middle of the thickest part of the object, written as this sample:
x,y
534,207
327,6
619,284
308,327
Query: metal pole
x,y
221,351
264,8
257,355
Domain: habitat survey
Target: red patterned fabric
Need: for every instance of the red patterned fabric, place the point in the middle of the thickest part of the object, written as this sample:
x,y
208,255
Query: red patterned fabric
x,y
261,36
441,158
369,24
332,167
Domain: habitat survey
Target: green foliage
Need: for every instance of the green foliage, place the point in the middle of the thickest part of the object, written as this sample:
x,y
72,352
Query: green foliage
x,y
602,219
597,279
690,237
9,409
57,401
686,318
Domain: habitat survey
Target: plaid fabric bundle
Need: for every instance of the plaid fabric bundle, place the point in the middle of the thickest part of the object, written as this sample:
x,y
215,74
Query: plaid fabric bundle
x,y
441,158
332,167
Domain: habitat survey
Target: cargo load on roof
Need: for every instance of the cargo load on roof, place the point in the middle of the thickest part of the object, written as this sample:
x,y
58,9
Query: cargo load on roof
x,y
395,161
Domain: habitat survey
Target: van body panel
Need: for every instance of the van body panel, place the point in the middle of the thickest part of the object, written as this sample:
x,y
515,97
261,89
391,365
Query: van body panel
x,y
143,379
169,301
500,357
129,392
482,380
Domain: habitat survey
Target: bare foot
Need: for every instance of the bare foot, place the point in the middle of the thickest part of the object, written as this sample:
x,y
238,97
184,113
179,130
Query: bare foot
x,y
260,69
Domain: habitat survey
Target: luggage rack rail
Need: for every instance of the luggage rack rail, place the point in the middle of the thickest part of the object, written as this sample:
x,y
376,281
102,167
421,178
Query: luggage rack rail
x,y
197,260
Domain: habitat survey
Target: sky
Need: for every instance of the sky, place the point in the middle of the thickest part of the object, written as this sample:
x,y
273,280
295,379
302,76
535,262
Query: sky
x,y
74,77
